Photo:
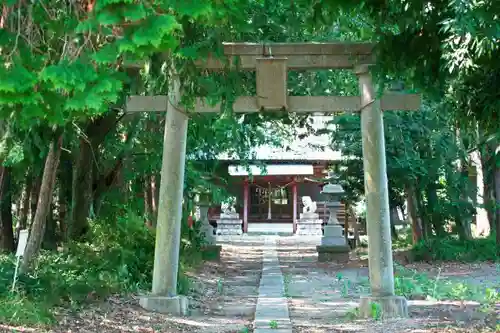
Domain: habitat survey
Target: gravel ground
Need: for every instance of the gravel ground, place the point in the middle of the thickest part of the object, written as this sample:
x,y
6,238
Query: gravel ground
x,y
324,297
223,301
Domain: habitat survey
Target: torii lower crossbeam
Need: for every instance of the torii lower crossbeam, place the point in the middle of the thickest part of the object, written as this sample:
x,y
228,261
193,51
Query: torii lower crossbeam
x,y
297,104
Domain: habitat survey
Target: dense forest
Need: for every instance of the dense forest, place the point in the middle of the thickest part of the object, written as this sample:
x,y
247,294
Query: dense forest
x,y
83,175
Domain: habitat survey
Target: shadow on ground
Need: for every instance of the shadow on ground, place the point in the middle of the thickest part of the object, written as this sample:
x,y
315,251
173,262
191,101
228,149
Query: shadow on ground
x,y
324,297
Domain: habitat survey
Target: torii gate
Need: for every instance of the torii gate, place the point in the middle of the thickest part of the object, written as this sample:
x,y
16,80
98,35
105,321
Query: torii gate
x,y
271,63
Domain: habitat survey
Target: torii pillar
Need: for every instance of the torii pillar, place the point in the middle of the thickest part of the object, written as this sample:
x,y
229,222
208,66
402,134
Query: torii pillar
x,y
164,297
377,206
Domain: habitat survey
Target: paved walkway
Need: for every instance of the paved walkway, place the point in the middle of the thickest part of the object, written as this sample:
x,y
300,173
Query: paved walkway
x,y
271,314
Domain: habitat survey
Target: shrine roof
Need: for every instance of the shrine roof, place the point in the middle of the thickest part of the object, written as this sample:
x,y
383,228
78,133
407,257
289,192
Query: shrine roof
x,y
313,147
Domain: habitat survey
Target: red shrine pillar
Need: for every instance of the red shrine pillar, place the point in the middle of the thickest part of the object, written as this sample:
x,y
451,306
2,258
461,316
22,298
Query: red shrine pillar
x,y
294,202
245,205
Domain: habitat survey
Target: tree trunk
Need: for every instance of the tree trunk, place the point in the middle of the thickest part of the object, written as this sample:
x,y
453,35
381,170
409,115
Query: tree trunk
x,y
458,189
394,218
94,210
7,231
351,216
22,221
65,190
148,200
420,209
432,201
35,192
50,236
489,199
489,173
43,206
497,197
81,191
106,181
114,177
155,193
482,218
413,217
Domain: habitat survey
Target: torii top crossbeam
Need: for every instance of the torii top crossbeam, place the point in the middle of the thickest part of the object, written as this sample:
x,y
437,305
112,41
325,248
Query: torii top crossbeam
x,y
300,56
311,48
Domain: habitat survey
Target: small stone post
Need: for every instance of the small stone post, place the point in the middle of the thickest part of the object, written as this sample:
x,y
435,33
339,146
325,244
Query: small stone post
x,y
164,296
294,203
210,250
246,204
377,205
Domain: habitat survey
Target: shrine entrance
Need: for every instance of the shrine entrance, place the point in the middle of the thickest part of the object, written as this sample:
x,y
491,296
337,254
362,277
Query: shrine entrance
x,y
272,196
271,63
270,202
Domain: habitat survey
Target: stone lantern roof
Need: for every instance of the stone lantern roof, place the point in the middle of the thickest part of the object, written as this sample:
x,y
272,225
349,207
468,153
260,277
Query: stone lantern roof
x,y
333,189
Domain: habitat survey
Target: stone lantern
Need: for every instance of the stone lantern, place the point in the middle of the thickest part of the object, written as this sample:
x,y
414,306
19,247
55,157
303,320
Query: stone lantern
x,y
332,194
333,243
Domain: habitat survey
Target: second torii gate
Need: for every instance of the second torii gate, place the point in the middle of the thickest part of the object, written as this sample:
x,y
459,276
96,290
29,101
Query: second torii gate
x,y
271,63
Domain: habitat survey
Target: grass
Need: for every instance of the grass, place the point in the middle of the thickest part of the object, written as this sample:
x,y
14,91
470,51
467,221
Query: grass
x,y
118,261
18,309
410,283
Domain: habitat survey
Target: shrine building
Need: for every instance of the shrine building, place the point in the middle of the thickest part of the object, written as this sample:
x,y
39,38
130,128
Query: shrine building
x,y
269,199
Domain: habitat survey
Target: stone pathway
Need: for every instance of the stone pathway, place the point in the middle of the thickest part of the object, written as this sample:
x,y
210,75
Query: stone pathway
x,y
272,315
230,288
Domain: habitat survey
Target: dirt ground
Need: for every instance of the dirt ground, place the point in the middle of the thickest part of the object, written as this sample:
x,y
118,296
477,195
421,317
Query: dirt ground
x,y
223,301
324,297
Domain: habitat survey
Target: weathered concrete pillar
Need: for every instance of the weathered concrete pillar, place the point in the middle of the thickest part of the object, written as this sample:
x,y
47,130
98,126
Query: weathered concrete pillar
x,y
377,205
164,296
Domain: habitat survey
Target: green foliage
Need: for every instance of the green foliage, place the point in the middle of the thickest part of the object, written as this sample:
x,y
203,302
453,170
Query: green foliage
x,y
119,260
453,249
449,50
421,151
